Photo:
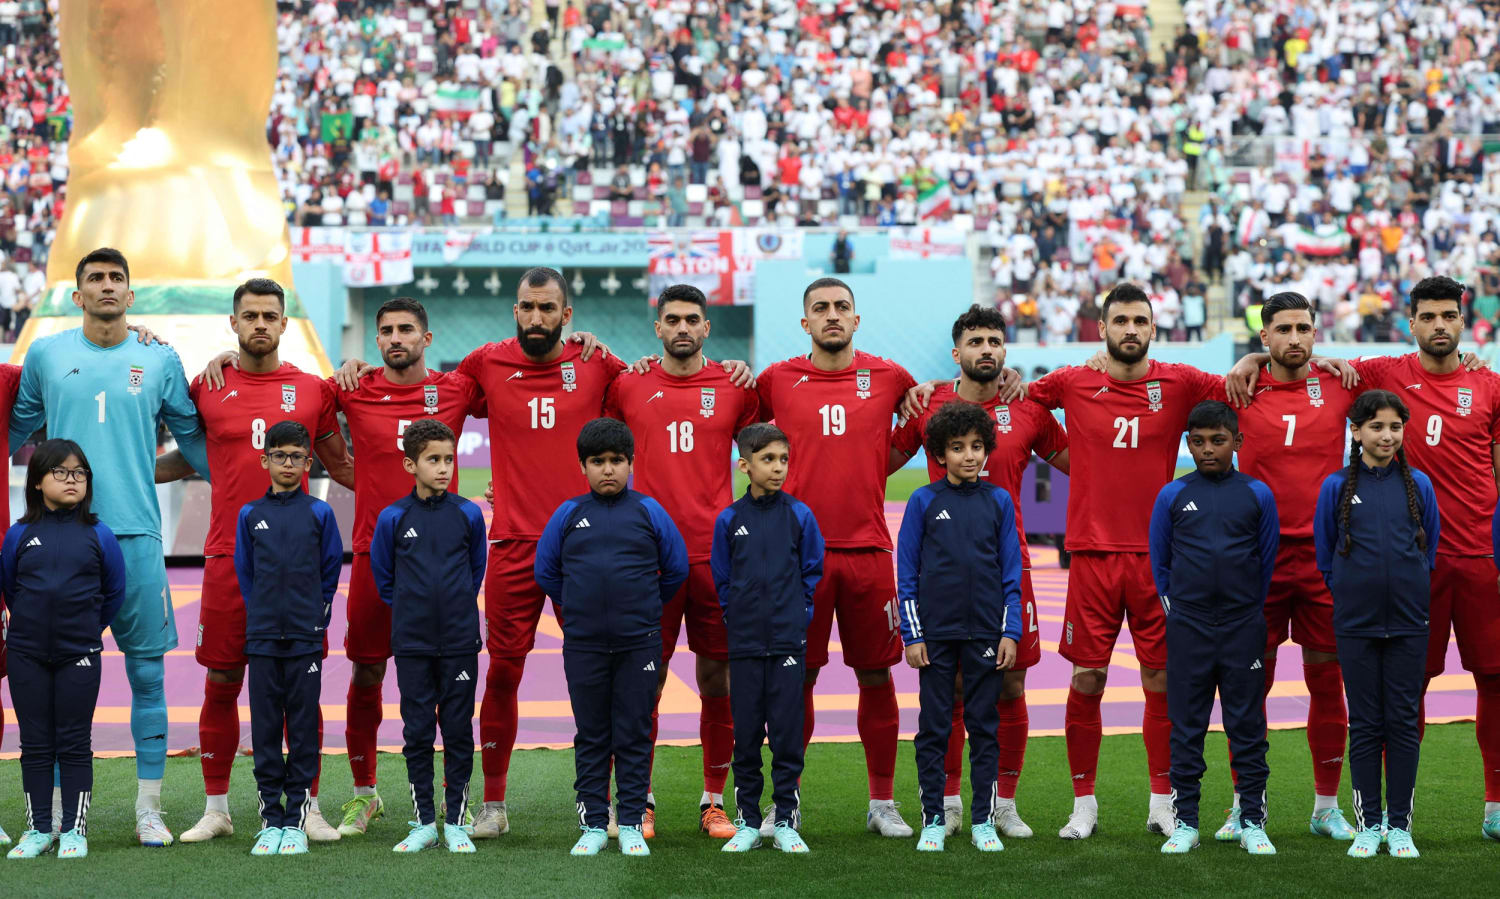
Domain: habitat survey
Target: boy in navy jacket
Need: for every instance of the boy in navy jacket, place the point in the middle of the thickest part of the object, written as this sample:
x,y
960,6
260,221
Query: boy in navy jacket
x,y
287,555
958,582
427,557
767,559
609,559
1214,535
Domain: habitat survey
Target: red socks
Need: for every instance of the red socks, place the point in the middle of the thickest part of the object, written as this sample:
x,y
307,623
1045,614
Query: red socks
x,y
361,725
953,762
878,719
1015,726
1156,731
498,720
716,733
1487,731
807,715
1327,724
218,734
1083,729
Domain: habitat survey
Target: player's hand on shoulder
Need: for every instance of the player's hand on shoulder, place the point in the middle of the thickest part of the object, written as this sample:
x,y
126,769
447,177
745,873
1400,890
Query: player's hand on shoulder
x,y
1097,362
213,373
146,335
916,655
643,364
1342,368
1474,362
1006,656
739,373
590,343
1239,384
916,399
1012,387
351,373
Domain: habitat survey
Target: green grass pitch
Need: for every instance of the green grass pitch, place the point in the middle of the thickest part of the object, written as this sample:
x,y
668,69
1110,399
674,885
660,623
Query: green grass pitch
x,y
1122,859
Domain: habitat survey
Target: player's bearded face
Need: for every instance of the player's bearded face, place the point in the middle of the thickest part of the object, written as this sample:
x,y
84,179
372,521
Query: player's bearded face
x,y
1129,348
537,340
981,355
1127,334
1437,328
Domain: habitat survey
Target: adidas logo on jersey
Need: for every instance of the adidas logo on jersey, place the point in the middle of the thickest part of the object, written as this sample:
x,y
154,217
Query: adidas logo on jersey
x,y
582,524
262,526
35,541
789,663
1255,666
1190,507
742,532
313,668
462,676
989,652
1356,501
85,663
943,516
650,666
410,533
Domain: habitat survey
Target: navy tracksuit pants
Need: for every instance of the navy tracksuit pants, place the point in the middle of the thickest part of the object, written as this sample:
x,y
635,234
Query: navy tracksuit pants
x,y
612,694
1383,684
54,705
438,691
284,696
767,701
946,659
1226,657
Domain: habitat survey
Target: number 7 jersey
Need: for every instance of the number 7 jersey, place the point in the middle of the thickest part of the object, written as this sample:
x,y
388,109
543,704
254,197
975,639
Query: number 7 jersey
x,y
1123,438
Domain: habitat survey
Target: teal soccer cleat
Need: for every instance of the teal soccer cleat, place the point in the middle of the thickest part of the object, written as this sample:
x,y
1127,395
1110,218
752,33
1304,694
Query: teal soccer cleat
x,y
788,840
1253,840
72,845
985,839
1230,832
33,843
1366,844
593,839
1399,845
1330,823
456,837
1491,825
421,836
293,841
933,834
633,841
1184,839
267,842
745,838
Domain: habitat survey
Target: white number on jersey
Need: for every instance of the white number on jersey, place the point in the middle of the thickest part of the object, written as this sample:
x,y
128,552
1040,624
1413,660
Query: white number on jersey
x,y
1291,428
400,433
258,433
100,397
681,434
1132,426
1434,427
834,422
543,412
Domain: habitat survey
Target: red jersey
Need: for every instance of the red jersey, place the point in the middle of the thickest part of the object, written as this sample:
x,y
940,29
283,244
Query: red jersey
x,y
1296,434
235,419
839,423
684,431
378,413
10,383
536,410
1123,438
1455,421
1021,428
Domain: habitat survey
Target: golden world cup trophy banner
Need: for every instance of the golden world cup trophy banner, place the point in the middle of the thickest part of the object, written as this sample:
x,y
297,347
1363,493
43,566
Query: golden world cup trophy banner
x,y
169,164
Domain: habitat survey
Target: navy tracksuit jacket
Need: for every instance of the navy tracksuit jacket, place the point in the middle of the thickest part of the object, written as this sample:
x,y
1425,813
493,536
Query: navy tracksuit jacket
x,y
427,557
1381,593
1213,551
610,563
958,582
767,559
62,581
287,556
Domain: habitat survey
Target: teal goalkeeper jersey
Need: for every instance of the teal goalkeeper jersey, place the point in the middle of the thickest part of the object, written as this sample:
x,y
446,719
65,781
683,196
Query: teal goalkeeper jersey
x,y
110,402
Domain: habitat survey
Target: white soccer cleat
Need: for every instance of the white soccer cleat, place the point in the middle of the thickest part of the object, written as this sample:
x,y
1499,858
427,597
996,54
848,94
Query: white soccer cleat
x,y
1084,820
884,818
150,829
768,822
493,821
1008,822
316,827
212,824
1161,819
953,814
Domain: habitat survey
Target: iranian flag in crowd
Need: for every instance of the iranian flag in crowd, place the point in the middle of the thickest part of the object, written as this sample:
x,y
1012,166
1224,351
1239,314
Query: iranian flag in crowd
x,y
1325,240
934,201
374,258
455,100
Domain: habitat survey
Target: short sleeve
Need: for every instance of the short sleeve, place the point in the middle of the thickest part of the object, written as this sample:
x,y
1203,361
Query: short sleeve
x,y
334,393
328,415
1206,386
904,381
1377,372
1051,439
907,437
612,399
473,363
749,409
1048,390
763,391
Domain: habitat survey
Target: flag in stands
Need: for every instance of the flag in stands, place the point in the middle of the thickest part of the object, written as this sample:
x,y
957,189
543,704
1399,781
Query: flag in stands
x,y
925,243
317,244
373,258
934,202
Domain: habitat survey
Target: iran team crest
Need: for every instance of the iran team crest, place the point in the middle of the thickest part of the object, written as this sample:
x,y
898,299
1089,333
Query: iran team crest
x,y
706,402
136,379
862,383
1314,392
1002,419
1153,395
569,377
1465,401
289,397
430,399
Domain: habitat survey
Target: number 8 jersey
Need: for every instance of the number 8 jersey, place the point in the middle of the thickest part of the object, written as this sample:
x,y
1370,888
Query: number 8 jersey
x,y
1123,438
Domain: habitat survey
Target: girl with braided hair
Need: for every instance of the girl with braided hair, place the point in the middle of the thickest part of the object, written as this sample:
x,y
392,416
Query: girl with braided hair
x,y
1376,532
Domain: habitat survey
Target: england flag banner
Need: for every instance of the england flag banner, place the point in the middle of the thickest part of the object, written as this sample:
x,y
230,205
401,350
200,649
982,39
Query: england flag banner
x,y
376,258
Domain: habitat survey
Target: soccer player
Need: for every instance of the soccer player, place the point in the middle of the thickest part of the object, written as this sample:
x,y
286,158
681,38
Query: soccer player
x,y
1455,417
108,393
538,393
685,414
1124,425
1021,429
262,390
1213,547
836,404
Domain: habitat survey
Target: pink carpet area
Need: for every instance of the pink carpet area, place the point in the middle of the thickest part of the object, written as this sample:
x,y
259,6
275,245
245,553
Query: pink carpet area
x,y
546,719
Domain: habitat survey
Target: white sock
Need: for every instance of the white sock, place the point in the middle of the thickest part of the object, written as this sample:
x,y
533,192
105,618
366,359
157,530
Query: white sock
x,y
1159,800
1236,802
880,803
650,799
711,799
1088,804
1491,807
1000,803
57,808
312,805
219,803
1324,802
365,791
148,795
954,800
493,804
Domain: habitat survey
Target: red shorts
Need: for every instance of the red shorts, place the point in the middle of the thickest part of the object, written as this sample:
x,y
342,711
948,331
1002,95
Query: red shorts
x,y
1104,590
1299,602
221,617
1465,596
859,586
368,640
1029,651
697,600
512,600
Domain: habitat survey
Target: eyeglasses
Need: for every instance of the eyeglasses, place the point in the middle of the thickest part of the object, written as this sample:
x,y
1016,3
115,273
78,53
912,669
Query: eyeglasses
x,y
281,458
70,474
